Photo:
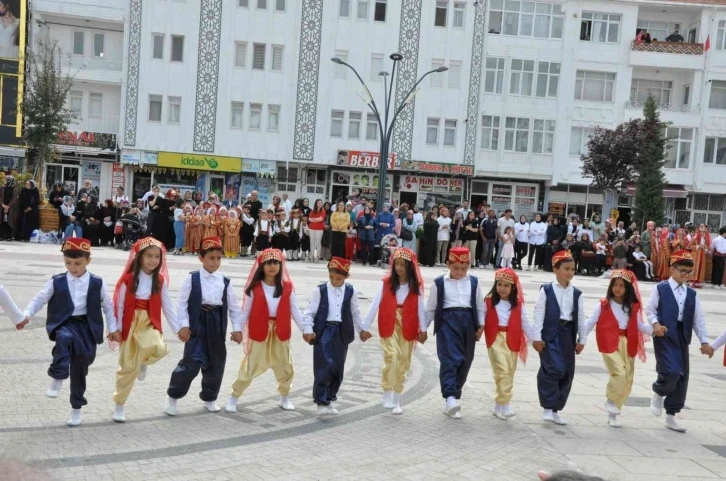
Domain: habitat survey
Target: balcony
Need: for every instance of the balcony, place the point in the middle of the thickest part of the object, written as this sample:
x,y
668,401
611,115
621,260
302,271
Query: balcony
x,y
100,124
109,10
671,54
663,107
92,69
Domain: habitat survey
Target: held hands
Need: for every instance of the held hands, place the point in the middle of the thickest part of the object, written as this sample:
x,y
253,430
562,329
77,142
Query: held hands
x,y
309,338
659,330
707,350
479,333
114,336
538,345
365,335
236,336
579,348
422,337
19,326
184,334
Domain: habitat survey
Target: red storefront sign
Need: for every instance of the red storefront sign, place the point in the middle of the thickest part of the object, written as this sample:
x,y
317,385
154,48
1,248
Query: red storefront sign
x,y
370,160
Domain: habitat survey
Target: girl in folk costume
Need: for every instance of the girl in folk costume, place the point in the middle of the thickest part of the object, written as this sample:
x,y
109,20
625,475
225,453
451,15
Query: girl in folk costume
x,y
280,231
680,242
620,337
505,318
293,240
399,305
662,254
141,295
221,222
700,244
210,222
263,232
193,231
269,305
247,229
305,239
231,235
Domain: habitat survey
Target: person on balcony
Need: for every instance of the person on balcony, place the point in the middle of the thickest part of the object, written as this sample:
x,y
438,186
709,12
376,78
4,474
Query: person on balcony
x,y
643,37
675,37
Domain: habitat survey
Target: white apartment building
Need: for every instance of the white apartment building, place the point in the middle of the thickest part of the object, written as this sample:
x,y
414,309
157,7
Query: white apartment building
x,y
249,85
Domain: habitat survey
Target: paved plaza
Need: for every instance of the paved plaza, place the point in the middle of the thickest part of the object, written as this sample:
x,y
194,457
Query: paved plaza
x,y
365,441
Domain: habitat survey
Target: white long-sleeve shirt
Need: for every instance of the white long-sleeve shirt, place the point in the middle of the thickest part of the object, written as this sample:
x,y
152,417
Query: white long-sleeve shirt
x,y
621,315
401,295
457,293
537,233
272,304
9,307
718,244
521,231
143,292
565,299
720,341
336,295
504,312
679,291
212,291
247,219
263,226
78,288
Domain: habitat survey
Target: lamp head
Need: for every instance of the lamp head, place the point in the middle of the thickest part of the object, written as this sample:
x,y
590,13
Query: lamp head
x,y
384,74
396,57
443,68
336,60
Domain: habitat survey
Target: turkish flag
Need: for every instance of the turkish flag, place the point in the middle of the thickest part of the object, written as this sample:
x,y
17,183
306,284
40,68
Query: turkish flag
x,y
707,45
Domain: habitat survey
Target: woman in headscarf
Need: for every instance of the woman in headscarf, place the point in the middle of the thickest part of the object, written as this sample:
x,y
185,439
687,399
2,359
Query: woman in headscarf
x,y
92,224
158,222
661,254
699,245
9,212
108,222
646,237
29,218
429,240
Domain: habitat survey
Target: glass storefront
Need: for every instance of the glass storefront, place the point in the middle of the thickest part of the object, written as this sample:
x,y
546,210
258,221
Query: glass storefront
x,y
581,200
521,198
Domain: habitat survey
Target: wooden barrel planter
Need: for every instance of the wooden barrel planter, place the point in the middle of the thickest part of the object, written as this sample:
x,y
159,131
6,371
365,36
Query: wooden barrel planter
x,y
48,219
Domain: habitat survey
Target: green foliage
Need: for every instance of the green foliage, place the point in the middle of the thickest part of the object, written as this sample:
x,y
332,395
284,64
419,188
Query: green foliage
x,y
649,201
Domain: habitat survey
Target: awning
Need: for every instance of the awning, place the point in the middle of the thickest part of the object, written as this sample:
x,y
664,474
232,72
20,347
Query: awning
x,y
669,190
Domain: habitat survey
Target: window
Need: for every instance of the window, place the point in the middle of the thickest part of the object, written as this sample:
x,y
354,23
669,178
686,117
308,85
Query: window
x,y
243,3
95,105
678,148
273,118
516,134
449,132
600,27
579,137
595,86
79,39
437,80
371,127
494,77
155,108
258,56
174,110
459,11
543,136
238,109
240,54
376,67
526,19
177,48
158,48
362,10
686,94
336,123
354,119
288,177
490,132
344,8
255,116
277,54
432,131
454,74
76,102
340,71
718,95
379,11
440,16
720,37
713,205
659,89
316,181
659,30
262,4
522,77
279,5
98,39
548,78
715,151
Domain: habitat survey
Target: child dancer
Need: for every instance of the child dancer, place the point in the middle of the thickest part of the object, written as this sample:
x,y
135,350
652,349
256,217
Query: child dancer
x,y
231,235
619,335
674,310
142,293
11,310
75,321
399,306
268,306
507,247
280,229
222,219
263,232
350,241
247,230
194,230
557,314
329,323
305,239
293,241
456,305
700,243
505,319
210,221
206,299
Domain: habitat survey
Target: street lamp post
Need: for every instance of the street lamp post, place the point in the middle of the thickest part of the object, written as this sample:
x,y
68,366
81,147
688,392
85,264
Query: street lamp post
x,y
384,126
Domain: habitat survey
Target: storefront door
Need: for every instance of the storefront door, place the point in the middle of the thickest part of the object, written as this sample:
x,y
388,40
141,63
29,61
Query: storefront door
x,y
409,198
65,174
217,185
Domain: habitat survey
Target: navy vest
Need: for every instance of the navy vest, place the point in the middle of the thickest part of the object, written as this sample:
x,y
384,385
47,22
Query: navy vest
x,y
439,313
60,306
194,307
553,315
347,329
668,311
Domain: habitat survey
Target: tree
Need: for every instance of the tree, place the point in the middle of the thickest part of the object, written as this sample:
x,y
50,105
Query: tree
x,y
611,160
649,201
44,107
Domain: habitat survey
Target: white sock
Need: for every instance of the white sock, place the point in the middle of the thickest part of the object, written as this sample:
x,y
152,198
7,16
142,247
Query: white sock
x,y
450,401
670,418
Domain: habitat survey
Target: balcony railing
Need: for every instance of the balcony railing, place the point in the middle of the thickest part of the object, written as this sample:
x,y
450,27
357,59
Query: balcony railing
x,y
101,124
663,107
669,47
89,63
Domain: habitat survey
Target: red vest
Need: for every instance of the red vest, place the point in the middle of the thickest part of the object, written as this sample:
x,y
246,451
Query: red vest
x,y
607,331
130,306
258,324
514,327
387,313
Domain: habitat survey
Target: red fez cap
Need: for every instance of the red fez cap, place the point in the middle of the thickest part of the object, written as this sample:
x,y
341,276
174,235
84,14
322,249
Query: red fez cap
x,y
78,244
460,254
339,264
561,256
211,243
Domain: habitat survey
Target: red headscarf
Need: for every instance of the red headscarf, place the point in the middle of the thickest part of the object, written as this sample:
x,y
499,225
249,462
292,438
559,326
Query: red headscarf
x,y
135,251
510,276
630,278
707,236
408,255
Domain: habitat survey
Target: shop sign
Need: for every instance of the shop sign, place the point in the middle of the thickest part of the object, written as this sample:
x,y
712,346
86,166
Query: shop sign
x,y
556,208
436,167
500,204
149,158
363,160
523,206
419,183
257,166
501,189
371,160
91,171
138,157
526,191
8,163
214,163
117,177
86,139
456,185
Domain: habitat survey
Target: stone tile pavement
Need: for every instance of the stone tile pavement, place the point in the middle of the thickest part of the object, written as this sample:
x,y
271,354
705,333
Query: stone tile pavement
x,y
365,441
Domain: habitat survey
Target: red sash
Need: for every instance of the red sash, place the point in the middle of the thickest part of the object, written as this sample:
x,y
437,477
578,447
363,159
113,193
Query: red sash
x,y
258,324
387,313
130,304
607,331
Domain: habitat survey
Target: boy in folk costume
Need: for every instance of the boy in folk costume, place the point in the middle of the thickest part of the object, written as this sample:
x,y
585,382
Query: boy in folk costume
x,y
77,302
142,293
280,231
305,239
293,241
231,235
263,232
329,323
620,335
456,305
206,299
11,310
700,244
269,305
505,323
247,230
558,316
675,310
399,305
